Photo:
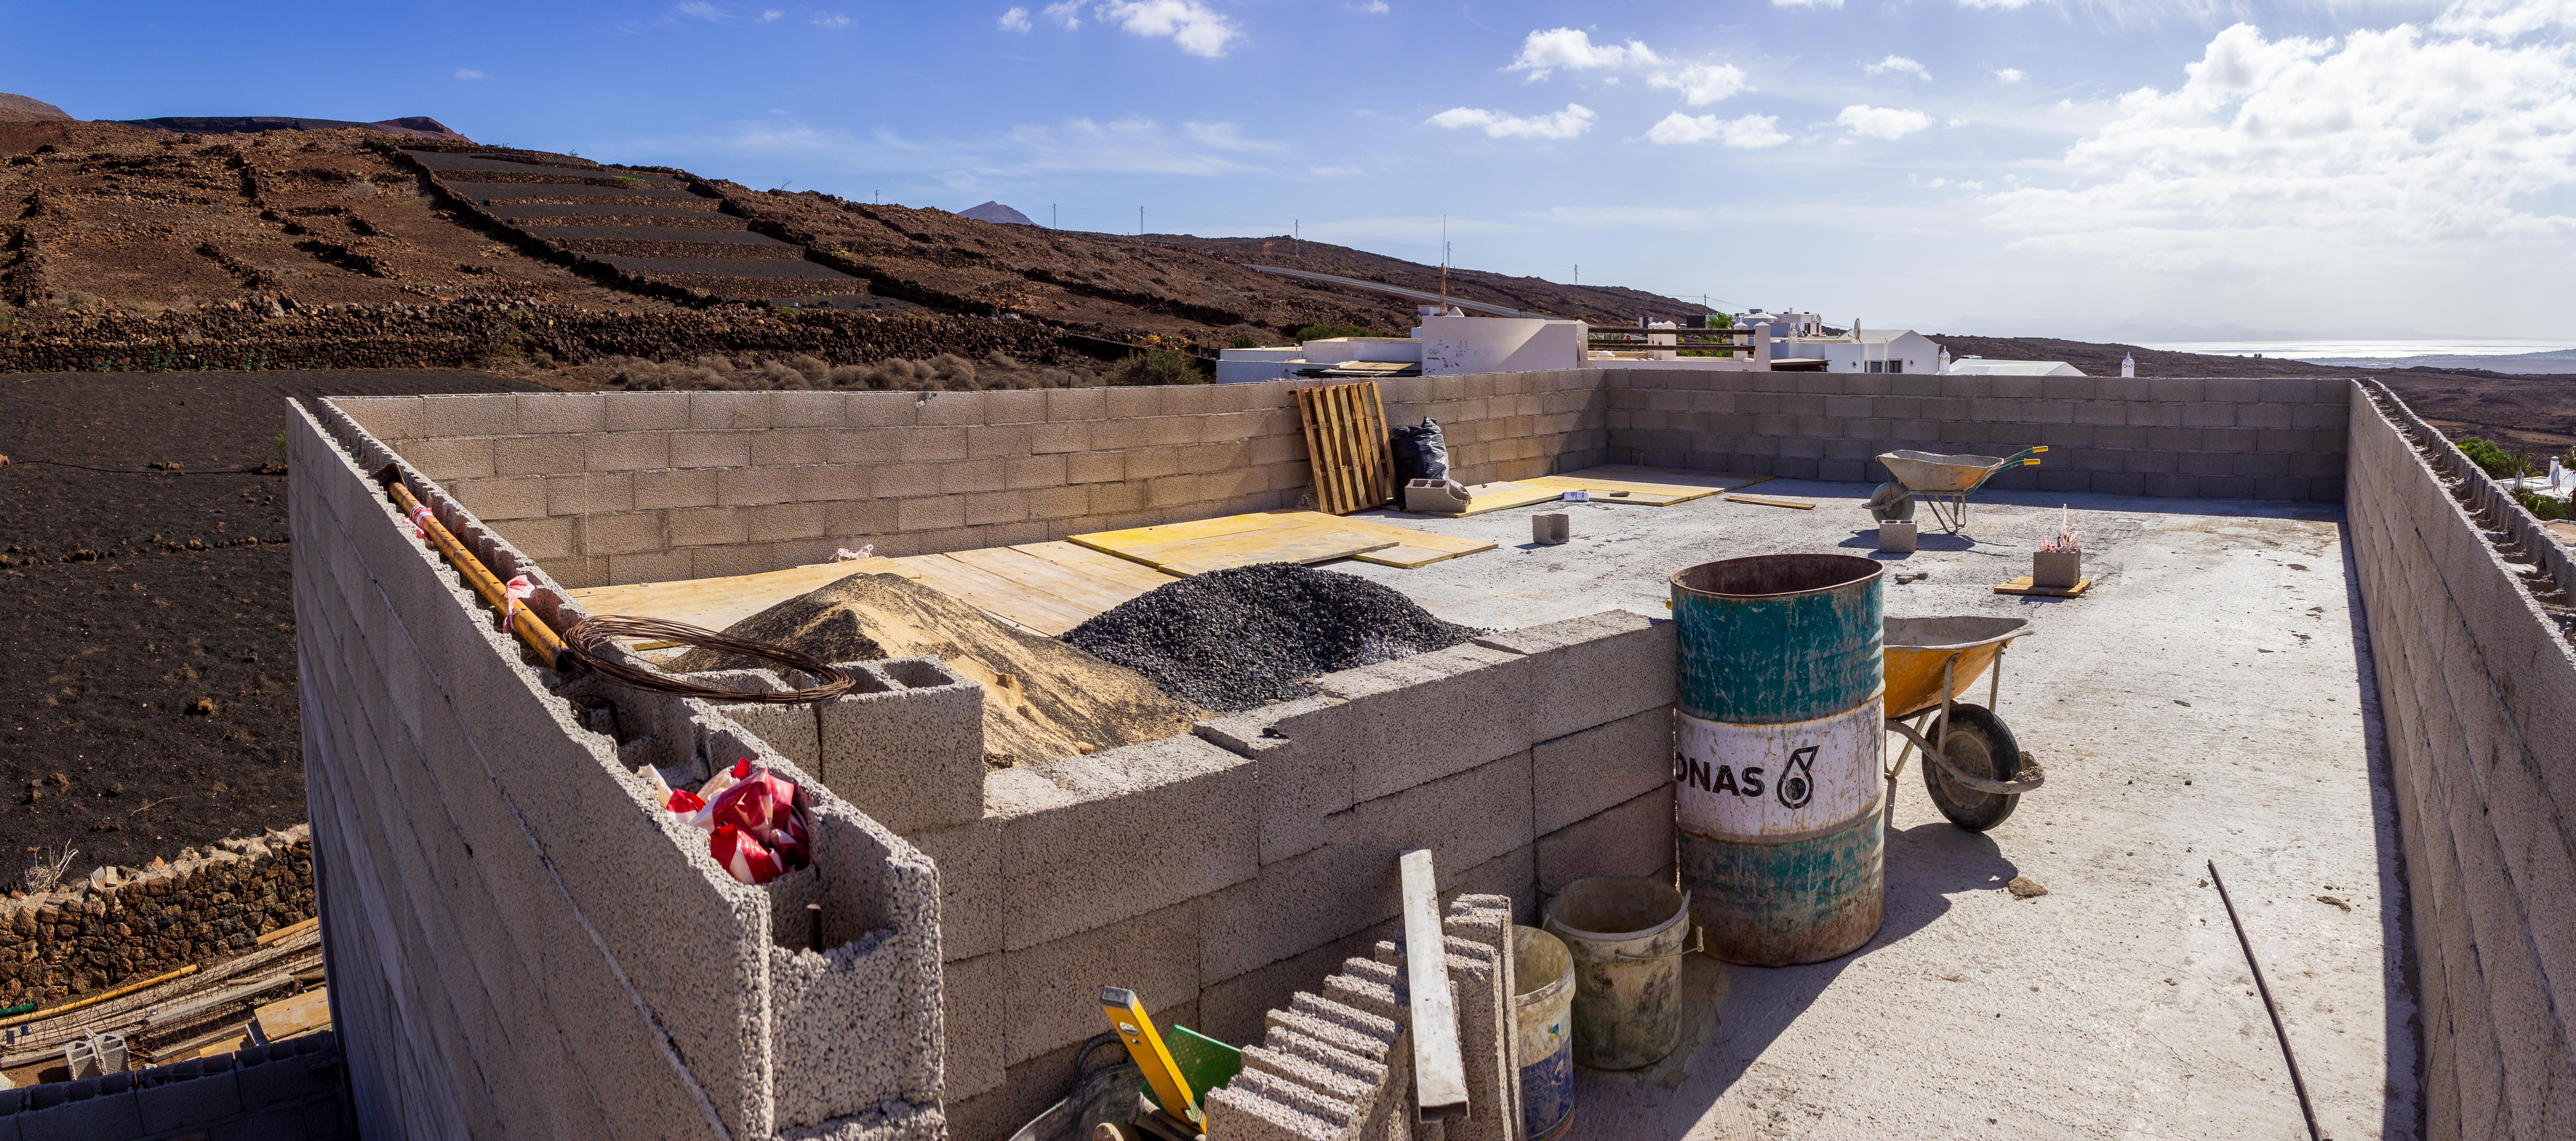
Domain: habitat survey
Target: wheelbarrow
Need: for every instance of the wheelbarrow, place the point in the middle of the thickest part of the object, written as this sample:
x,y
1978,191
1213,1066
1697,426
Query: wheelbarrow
x,y
1979,772
1942,481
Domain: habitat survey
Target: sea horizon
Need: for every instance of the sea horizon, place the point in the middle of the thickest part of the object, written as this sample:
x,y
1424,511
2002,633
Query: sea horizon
x,y
2341,348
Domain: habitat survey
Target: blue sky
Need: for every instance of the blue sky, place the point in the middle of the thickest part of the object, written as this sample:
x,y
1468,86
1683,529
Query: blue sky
x,y
2319,168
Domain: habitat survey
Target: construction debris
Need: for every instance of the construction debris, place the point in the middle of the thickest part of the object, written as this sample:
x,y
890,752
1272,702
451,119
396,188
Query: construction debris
x,y
1234,639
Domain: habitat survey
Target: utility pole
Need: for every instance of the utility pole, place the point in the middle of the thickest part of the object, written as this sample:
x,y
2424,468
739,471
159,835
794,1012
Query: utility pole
x,y
1578,273
1051,218
1297,238
1444,262
1140,221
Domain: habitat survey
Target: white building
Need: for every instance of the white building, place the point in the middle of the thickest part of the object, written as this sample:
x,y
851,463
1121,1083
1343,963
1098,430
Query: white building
x,y
1865,350
1980,366
1788,323
1443,344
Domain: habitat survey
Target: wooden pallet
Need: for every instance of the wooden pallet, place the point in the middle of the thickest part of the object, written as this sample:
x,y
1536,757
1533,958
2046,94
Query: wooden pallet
x,y
1347,444
2022,586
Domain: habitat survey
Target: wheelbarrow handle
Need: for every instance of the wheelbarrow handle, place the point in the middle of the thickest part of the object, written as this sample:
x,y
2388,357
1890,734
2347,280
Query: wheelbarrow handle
x,y
2033,775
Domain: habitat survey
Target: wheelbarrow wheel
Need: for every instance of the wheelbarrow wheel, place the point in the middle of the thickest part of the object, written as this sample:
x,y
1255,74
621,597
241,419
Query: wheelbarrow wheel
x,y
1891,503
1979,744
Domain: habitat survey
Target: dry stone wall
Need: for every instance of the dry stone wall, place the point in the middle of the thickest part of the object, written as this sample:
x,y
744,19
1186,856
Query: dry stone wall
x,y
2267,438
2477,689
647,487
124,925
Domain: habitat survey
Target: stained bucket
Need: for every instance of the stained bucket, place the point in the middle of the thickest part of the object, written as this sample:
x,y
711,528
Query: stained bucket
x,y
1781,739
1544,1012
1626,937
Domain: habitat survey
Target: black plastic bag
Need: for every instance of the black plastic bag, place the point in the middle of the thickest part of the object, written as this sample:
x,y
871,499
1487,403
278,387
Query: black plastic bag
x,y
1420,453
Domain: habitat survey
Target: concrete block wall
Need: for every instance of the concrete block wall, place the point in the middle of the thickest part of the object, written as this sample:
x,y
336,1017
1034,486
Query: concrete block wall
x,y
2477,691
1217,873
520,942
2268,438
288,1090
653,486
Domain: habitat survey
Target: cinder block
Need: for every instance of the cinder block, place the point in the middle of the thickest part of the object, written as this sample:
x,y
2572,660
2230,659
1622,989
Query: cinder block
x,y
620,451
909,755
1465,820
976,1013
730,410
589,493
654,490
517,498
1594,670
789,447
1249,1115
1195,799
969,858
644,411
450,459
195,1101
1580,774
1304,749
789,729
1431,715
1632,839
636,532
1291,906
1055,986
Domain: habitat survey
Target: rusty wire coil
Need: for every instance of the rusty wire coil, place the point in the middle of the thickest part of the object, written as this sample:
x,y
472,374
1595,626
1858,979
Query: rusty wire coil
x,y
591,641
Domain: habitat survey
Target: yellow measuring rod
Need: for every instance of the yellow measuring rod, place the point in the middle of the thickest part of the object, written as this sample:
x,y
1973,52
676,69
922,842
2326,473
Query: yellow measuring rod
x,y
1127,1016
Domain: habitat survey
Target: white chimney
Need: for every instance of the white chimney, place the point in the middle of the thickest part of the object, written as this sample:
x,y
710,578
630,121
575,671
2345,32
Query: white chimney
x,y
2128,365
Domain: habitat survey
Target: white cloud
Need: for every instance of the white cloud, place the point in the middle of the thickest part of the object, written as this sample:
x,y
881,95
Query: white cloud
x,y
1565,124
1067,14
468,73
2506,18
1806,3
1573,49
702,10
1014,20
1882,122
1375,7
2010,74
1901,66
1703,83
1998,5
832,20
2328,157
1197,28
770,14
1749,131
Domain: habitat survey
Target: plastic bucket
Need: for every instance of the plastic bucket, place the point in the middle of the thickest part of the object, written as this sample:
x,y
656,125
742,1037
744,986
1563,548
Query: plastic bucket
x,y
1543,1011
1625,935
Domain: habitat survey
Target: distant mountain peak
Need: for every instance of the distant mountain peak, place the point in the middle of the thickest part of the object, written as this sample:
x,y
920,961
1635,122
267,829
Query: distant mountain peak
x,y
996,213
20,109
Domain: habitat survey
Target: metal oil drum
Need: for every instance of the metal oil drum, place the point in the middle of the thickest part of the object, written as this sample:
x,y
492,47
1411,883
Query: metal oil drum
x,y
1779,753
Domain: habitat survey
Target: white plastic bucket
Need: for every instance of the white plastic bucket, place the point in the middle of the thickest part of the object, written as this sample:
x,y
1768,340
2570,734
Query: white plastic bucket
x,y
1626,936
1544,1012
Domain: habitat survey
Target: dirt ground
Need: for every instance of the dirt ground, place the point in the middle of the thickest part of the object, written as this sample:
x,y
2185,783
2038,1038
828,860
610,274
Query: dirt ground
x,y
110,638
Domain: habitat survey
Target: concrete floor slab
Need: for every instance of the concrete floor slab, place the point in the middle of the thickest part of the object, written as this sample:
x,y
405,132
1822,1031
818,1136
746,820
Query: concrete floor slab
x,y
2209,699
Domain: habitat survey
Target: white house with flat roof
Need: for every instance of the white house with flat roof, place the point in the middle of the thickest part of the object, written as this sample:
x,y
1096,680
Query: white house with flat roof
x,y
1866,350
1980,366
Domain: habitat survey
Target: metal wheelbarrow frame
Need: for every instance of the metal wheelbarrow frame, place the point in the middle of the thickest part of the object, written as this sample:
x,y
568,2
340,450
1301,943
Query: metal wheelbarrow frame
x,y
1967,645
1939,479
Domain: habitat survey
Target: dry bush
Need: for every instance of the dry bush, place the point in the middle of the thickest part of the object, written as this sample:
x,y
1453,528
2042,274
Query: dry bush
x,y
946,372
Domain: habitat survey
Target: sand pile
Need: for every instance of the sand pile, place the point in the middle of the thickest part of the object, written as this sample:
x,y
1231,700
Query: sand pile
x,y
1043,699
1234,639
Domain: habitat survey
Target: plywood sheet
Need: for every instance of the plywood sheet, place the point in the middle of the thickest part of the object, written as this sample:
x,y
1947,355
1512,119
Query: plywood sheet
x,y
1413,548
715,603
1648,487
301,1014
1079,589
1406,557
1275,536
1109,568
999,596
2022,585
1772,501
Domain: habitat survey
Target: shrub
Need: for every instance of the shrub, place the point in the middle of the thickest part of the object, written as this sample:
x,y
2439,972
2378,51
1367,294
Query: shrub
x,y
1328,332
2497,461
1157,366
2542,507
1244,341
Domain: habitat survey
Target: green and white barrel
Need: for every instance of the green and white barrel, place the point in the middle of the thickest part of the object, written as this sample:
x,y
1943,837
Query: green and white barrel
x,y
1780,745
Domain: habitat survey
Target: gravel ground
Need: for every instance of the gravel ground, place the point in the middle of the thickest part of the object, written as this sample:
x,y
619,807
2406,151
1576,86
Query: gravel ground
x,y
1233,639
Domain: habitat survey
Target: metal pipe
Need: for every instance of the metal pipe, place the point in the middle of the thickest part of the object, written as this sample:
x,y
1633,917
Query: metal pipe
x,y
532,630
2274,1009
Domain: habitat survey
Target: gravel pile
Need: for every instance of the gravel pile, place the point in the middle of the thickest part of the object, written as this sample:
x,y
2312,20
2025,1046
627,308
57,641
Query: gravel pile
x,y
1234,639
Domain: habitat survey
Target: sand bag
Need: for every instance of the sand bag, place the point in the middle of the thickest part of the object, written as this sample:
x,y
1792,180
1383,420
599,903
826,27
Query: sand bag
x,y
1420,452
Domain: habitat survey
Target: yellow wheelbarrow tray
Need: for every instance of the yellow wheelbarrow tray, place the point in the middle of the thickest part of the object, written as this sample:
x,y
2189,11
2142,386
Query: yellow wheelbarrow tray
x,y
1946,481
1929,663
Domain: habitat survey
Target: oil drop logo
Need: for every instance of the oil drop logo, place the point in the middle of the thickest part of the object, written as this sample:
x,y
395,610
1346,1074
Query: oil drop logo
x,y
1797,783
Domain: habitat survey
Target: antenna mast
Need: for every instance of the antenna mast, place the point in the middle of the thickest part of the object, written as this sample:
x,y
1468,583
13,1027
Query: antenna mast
x,y
1444,262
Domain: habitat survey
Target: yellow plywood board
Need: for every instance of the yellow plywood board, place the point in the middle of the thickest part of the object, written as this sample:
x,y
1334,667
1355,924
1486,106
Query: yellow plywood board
x,y
999,596
1406,557
1484,497
1178,532
1106,567
1275,536
301,1014
1772,501
1413,548
2022,586
1649,487
1086,592
716,603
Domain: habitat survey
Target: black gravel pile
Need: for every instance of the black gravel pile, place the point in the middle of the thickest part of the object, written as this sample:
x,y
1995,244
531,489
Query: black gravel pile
x,y
1233,639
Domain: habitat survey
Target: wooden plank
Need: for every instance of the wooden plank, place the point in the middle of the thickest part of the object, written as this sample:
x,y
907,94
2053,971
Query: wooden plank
x,y
2022,586
1381,447
289,931
1406,557
989,592
1484,497
1288,543
1439,1069
1076,588
1775,501
1109,541
1427,540
716,603
290,1017
1098,565
1346,446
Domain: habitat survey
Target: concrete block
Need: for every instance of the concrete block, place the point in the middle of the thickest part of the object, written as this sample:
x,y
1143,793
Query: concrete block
x,y
654,490
468,458
976,1014
590,493
1465,820
1055,987
621,451
931,514
1632,839
1432,715
1580,774
1304,749
197,1101
969,858
1291,906
1594,670
1196,799
1249,1115
789,447
910,751
523,497
1341,1027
